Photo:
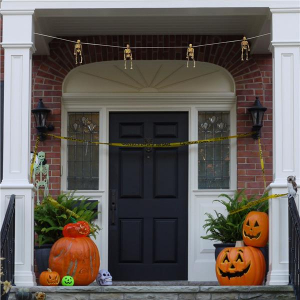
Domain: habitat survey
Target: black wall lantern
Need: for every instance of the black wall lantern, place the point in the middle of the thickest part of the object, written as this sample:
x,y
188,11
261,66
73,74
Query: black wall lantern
x,y
257,112
40,114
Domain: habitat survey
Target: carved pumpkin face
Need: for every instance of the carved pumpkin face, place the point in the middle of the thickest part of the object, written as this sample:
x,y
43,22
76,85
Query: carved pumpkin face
x,y
256,229
49,278
240,266
67,281
79,229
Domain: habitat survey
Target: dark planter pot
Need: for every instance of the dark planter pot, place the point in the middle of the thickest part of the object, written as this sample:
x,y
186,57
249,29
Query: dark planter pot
x,y
265,252
219,247
42,254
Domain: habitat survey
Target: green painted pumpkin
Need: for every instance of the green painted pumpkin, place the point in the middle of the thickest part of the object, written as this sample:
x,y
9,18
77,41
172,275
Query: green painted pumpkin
x,y
67,281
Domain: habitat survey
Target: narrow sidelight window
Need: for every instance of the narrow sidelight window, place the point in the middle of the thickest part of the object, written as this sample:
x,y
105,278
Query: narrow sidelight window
x,y
213,158
83,158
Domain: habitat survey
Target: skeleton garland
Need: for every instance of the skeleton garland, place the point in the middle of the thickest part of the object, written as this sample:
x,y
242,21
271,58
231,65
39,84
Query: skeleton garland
x,y
41,175
245,47
190,54
78,52
128,56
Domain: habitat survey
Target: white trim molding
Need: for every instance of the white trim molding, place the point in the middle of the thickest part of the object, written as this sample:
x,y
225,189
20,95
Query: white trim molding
x,y
16,139
286,134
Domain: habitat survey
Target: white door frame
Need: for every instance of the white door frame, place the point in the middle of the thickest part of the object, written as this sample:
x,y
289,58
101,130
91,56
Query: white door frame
x,y
200,252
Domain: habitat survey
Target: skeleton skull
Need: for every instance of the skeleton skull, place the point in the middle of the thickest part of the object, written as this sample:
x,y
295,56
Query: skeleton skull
x,y
104,278
41,157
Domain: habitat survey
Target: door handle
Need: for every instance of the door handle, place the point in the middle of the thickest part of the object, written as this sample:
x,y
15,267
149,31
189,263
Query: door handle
x,y
148,142
113,206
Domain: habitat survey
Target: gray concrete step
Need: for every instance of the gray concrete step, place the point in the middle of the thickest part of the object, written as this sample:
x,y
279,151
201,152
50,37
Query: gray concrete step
x,y
160,291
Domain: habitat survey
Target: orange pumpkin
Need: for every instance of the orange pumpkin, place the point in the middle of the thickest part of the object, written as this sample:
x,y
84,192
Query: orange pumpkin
x,y
76,257
49,278
240,266
79,229
256,229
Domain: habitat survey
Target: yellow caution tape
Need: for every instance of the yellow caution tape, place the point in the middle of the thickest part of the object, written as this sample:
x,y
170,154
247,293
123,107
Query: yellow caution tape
x,y
262,163
34,156
150,145
56,204
253,203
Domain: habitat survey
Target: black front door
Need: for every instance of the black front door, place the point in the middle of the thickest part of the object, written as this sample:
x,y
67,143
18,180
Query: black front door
x,y
148,225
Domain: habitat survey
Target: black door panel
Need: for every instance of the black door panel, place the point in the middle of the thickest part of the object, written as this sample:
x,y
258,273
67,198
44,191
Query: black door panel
x,y
148,223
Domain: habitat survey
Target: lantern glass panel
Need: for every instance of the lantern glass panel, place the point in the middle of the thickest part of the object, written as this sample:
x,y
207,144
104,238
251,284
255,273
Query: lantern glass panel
x,y
40,118
43,118
254,117
260,117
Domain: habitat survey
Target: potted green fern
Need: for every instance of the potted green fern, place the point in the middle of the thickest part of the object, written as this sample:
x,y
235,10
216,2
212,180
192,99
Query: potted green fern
x,y
53,214
228,228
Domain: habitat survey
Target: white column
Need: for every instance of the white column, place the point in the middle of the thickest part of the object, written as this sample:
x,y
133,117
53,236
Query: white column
x,y
18,47
286,133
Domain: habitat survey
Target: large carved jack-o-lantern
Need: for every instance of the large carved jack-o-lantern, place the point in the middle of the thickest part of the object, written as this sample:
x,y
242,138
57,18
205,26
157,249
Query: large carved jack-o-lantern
x,y
240,266
256,229
76,255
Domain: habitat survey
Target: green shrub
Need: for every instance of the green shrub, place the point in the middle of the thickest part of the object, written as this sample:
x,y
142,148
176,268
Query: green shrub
x,y
50,218
228,229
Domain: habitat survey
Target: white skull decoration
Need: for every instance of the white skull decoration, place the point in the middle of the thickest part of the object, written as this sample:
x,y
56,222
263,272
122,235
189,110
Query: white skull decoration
x,y
41,157
104,278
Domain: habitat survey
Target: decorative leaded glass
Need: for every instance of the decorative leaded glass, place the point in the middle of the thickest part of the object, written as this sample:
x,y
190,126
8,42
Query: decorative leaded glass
x,y
83,158
213,158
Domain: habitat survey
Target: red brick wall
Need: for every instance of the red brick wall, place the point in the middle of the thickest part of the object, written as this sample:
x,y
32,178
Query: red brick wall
x,y
252,78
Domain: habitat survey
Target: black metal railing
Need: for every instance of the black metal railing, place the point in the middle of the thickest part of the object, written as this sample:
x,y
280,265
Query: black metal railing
x,y
294,246
8,242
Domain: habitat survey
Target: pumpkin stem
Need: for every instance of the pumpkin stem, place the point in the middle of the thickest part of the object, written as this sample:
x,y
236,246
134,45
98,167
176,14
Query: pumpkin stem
x,y
49,270
239,244
73,220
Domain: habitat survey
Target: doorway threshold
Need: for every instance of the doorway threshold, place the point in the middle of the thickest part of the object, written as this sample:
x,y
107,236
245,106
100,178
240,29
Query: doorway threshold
x,y
165,283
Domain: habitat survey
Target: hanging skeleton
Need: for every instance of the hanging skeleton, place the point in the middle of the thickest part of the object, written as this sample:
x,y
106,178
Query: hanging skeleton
x,y
41,175
127,56
190,54
245,47
78,52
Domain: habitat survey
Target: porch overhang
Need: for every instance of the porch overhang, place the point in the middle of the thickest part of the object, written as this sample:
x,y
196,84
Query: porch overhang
x,y
234,21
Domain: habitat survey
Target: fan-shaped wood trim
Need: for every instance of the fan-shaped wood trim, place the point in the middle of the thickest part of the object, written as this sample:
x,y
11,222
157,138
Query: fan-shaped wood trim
x,y
149,77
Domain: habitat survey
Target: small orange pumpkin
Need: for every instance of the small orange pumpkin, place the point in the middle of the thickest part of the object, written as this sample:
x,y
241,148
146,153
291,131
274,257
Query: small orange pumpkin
x,y
49,278
256,229
240,266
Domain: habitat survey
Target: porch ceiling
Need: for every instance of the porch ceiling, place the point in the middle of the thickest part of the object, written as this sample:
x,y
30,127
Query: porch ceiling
x,y
217,21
